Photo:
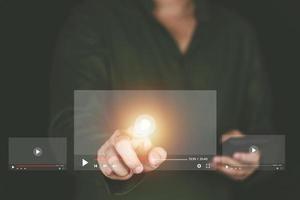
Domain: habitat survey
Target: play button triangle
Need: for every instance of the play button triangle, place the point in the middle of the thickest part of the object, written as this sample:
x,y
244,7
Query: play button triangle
x,y
84,162
253,149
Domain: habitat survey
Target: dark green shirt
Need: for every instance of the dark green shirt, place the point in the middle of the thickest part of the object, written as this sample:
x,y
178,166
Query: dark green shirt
x,y
117,44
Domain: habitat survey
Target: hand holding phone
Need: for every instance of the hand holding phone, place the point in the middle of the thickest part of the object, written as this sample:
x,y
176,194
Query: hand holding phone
x,y
237,163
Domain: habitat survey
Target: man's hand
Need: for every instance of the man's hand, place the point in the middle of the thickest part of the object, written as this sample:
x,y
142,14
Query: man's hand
x,y
241,165
122,155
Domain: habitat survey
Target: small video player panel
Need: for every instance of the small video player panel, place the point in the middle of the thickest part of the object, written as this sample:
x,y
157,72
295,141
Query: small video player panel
x,y
34,153
270,147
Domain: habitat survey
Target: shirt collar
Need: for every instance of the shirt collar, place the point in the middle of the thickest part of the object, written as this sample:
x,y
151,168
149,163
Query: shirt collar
x,y
202,8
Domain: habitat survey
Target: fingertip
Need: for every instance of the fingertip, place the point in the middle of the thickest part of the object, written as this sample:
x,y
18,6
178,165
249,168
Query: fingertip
x,y
237,156
162,152
139,169
216,159
157,156
106,171
154,159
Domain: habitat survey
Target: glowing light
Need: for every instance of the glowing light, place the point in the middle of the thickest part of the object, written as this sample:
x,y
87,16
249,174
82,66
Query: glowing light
x,y
144,126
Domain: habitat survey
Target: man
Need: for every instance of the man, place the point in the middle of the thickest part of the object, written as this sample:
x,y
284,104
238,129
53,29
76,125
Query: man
x,y
163,44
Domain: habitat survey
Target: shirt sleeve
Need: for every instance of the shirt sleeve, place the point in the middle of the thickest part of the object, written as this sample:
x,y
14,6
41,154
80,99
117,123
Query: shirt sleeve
x,y
80,63
256,116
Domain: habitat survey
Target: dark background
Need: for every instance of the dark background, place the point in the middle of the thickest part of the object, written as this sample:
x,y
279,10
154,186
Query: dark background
x,y
28,32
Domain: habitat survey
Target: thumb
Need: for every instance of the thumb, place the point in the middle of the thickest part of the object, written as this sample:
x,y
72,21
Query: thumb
x,y
155,158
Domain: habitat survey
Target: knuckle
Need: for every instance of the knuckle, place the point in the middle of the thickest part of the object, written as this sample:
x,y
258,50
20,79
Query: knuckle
x,y
100,151
119,141
101,159
104,166
112,159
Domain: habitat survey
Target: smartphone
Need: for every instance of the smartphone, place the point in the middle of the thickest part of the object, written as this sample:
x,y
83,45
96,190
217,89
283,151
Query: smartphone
x,y
245,144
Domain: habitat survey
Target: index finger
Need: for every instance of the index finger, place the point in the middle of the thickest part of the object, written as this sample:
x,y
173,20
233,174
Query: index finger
x,y
126,151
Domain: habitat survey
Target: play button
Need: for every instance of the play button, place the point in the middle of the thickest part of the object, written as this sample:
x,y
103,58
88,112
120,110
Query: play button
x,y
84,162
37,151
253,149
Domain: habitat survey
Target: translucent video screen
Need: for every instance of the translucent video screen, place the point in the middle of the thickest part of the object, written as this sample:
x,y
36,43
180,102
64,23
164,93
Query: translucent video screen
x,y
37,153
182,122
271,149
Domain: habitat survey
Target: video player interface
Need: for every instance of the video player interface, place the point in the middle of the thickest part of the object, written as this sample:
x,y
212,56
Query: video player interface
x,y
185,124
182,122
37,154
270,147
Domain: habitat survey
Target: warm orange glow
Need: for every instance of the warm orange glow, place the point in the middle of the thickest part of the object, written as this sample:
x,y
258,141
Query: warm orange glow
x,y
144,126
164,111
